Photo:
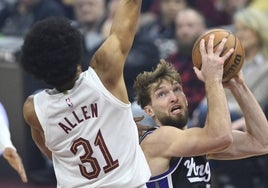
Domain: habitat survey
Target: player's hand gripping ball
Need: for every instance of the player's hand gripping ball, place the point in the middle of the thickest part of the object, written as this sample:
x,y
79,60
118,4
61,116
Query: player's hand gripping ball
x,y
234,63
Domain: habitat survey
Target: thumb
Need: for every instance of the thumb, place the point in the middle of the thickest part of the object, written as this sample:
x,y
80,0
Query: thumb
x,y
198,73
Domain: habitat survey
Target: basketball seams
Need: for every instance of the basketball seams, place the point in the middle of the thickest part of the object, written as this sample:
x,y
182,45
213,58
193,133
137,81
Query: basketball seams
x,y
227,61
233,64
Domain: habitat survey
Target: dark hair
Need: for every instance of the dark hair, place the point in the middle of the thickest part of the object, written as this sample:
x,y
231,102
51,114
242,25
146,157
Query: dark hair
x,y
144,81
52,50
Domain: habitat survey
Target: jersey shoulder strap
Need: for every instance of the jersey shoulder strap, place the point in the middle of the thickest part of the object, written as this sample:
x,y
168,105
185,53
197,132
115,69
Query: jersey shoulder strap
x,y
149,131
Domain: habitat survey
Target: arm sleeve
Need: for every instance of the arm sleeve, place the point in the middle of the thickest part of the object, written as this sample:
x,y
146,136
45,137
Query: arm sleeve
x,y
5,138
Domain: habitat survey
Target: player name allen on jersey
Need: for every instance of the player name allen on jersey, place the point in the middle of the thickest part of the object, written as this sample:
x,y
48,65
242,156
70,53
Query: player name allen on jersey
x,y
76,117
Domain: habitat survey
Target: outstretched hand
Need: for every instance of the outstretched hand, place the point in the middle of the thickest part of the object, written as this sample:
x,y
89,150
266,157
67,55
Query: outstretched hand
x,y
13,158
141,128
212,60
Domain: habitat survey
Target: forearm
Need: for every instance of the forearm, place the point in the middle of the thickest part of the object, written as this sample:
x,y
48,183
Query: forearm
x,y
218,118
124,23
256,122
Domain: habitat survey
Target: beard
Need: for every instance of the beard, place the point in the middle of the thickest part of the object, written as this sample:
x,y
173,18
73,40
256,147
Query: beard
x,y
179,121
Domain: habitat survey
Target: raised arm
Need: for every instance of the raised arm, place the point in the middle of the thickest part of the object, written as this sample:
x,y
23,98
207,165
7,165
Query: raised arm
x,y
216,133
254,140
109,59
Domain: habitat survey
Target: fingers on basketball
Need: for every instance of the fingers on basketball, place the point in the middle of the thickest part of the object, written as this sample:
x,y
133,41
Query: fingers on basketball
x,y
234,63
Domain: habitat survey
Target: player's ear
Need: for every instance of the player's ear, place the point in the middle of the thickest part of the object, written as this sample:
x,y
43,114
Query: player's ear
x,y
148,110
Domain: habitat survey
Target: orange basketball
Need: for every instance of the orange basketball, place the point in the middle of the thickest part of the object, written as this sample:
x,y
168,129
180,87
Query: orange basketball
x,y
234,63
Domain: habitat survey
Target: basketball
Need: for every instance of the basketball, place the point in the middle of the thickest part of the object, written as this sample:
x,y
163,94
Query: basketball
x,y
234,63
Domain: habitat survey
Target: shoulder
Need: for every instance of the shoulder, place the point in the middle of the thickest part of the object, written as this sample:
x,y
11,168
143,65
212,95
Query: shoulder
x,y
162,134
149,131
28,108
28,104
29,113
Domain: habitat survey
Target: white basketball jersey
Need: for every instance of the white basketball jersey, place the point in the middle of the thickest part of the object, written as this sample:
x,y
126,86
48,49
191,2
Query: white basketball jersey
x,y
92,136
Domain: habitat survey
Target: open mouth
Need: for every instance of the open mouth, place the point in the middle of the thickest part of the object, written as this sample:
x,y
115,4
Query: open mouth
x,y
176,109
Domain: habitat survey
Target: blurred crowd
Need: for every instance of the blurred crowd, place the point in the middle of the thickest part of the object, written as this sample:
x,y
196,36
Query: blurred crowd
x,y
167,29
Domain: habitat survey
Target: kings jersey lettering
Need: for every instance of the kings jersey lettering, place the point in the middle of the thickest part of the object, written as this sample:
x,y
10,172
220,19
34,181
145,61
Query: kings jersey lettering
x,y
197,173
78,116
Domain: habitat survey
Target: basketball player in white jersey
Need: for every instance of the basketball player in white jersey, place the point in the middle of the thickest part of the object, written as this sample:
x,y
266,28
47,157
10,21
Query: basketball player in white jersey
x,y
7,147
84,123
177,156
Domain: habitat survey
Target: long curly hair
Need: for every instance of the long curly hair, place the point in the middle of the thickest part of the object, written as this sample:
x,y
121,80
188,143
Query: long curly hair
x,y
52,50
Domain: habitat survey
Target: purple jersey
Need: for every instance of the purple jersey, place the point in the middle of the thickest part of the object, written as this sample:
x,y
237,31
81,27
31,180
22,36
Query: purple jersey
x,y
184,172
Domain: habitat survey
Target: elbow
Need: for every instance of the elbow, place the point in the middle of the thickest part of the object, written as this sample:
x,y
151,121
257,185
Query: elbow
x,y
226,141
222,142
264,147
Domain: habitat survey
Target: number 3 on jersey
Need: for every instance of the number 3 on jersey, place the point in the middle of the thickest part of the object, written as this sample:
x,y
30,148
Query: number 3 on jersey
x,y
87,157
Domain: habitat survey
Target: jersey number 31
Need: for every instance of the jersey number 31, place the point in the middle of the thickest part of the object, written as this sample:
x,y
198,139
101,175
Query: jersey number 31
x,y
87,157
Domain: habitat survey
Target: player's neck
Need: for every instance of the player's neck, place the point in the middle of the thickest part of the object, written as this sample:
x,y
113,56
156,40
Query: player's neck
x,y
69,85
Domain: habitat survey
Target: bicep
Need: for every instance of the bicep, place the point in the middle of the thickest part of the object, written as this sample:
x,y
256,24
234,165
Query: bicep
x,y
172,142
195,142
109,59
108,62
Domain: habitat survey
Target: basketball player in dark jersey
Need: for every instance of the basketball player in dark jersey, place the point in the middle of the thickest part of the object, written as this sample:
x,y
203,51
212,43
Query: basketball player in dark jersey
x,y
178,156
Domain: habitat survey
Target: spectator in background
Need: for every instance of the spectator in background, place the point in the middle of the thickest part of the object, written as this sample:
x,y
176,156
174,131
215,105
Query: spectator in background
x,y
147,13
68,7
7,147
251,28
89,18
189,25
5,6
261,5
162,30
219,12
23,14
